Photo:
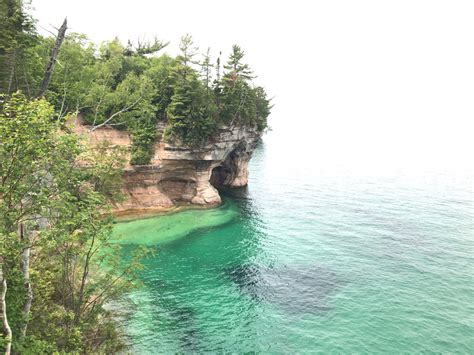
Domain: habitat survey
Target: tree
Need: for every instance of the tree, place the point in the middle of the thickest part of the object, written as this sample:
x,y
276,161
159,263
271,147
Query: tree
x,y
263,107
236,70
17,37
239,101
150,47
188,52
26,152
206,69
54,198
73,77
52,60
161,75
189,119
236,92
190,116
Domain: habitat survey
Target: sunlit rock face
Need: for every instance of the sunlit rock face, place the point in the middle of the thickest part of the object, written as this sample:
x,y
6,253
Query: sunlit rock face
x,y
180,175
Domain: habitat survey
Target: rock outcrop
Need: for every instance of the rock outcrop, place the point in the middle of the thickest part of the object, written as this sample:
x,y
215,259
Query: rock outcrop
x,y
180,175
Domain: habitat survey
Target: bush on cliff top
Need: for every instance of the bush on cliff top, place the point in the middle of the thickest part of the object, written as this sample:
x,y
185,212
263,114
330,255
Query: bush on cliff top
x,y
130,87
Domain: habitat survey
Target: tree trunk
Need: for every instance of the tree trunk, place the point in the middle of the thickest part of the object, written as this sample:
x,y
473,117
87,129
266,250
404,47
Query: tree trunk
x,y
52,60
12,67
25,269
85,274
7,332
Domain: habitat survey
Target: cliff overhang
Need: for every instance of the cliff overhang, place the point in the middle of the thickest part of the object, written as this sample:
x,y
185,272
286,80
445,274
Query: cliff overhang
x,y
178,175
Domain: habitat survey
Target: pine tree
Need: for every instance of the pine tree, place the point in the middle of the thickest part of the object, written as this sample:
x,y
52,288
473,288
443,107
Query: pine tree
x,y
189,113
188,52
236,91
235,68
206,69
17,36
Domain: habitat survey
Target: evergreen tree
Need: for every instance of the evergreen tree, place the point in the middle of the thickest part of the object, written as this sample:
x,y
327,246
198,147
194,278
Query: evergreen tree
x,y
161,74
189,113
235,68
206,69
189,116
236,92
17,39
188,52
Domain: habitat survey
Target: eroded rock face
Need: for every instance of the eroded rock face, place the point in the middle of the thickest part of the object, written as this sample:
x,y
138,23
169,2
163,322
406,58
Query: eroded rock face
x,y
178,174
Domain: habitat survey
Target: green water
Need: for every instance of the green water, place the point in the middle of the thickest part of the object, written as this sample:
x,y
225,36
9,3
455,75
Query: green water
x,y
169,227
310,261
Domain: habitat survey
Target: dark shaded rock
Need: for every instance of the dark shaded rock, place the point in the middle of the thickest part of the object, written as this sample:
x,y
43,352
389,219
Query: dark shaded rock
x,y
295,289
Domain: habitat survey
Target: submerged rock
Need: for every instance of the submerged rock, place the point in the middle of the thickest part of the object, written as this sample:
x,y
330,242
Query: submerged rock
x,y
301,290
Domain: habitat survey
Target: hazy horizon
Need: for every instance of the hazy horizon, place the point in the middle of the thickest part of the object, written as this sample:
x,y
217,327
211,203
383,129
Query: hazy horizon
x,y
364,85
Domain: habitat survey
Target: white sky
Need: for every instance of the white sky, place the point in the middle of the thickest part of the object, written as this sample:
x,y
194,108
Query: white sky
x,y
364,83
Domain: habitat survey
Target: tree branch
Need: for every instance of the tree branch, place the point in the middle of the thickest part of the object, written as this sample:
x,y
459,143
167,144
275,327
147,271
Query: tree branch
x,y
52,60
125,109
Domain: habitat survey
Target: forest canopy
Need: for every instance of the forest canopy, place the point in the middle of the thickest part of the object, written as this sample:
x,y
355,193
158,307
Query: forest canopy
x,y
132,86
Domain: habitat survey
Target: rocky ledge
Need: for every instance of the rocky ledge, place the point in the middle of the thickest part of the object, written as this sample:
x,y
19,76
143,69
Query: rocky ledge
x,y
180,175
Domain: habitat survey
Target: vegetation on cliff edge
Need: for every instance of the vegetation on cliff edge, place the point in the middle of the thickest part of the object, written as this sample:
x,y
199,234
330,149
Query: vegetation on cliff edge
x,y
57,267
132,87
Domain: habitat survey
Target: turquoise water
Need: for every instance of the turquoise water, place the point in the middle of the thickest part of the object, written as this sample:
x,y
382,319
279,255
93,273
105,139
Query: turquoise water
x,y
170,227
310,260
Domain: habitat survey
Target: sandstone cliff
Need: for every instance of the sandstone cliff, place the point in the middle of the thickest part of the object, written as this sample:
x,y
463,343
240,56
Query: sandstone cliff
x,y
180,175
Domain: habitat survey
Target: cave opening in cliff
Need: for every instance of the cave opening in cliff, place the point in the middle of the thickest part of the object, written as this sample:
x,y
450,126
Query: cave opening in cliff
x,y
220,176
232,172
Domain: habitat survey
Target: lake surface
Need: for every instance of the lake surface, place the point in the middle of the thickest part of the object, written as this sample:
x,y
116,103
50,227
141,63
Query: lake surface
x,y
310,258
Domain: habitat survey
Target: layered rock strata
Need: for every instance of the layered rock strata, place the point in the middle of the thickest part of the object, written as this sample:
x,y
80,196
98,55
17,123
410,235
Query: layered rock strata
x,y
180,175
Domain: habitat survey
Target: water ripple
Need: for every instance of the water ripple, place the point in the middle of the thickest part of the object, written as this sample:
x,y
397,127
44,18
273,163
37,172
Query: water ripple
x,y
313,262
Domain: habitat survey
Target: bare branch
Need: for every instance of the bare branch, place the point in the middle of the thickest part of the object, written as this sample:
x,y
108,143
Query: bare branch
x,y
52,60
125,109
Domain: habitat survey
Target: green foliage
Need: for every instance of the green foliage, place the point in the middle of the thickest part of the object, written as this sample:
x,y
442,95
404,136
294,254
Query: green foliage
x,y
63,207
130,87
160,73
190,111
17,37
240,102
120,86
56,195
26,143
235,67
143,137
73,76
262,108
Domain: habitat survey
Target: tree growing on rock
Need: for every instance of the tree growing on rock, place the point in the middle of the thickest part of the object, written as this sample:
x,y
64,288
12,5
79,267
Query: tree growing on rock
x,y
190,116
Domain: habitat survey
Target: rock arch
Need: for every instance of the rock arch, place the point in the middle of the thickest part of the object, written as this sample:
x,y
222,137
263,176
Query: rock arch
x,y
233,170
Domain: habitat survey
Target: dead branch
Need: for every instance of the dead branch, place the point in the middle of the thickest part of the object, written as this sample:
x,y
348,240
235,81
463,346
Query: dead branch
x,y
125,109
52,60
